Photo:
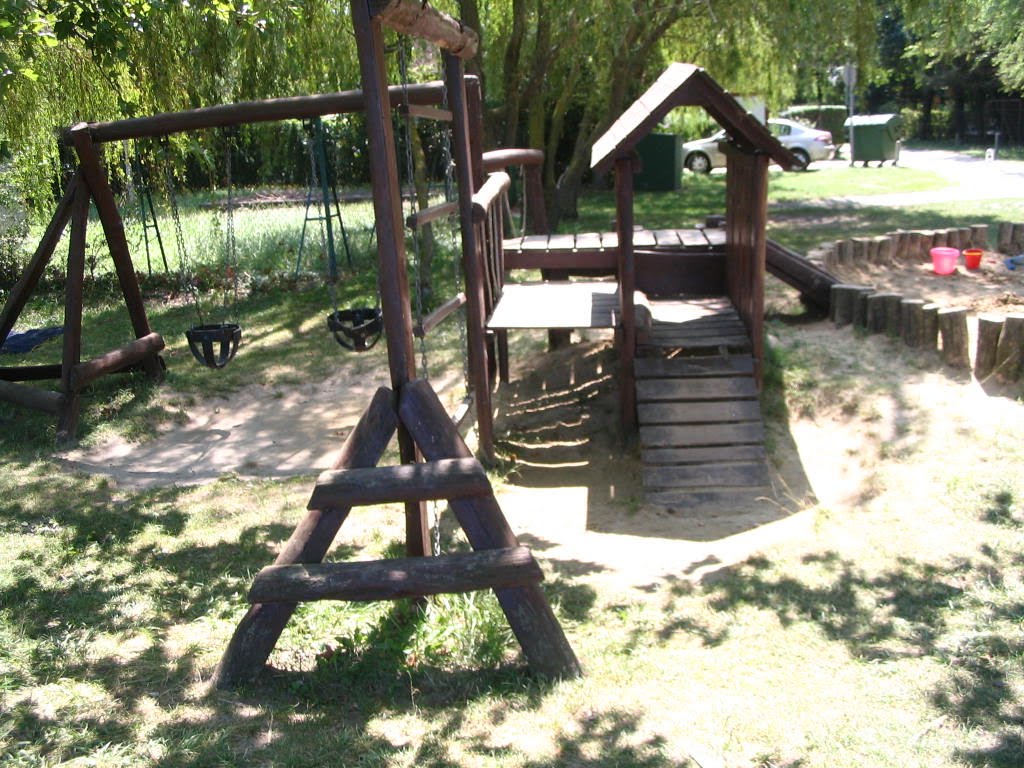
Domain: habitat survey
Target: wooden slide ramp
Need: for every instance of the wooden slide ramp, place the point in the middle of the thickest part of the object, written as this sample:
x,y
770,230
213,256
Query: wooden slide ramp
x,y
701,431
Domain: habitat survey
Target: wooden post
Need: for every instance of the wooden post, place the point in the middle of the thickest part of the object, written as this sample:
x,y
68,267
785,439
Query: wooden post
x,y
990,326
844,252
113,229
875,308
1005,238
1017,238
891,303
21,291
860,307
860,250
843,302
526,608
1010,351
912,321
979,236
472,255
67,422
930,326
886,249
953,328
393,278
263,623
624,167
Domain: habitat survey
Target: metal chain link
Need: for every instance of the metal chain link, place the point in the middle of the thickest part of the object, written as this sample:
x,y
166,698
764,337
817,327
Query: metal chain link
x,y
186,278
230,256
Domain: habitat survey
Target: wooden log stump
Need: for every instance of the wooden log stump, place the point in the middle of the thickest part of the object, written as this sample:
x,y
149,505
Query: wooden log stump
x,y
953,238
927,241
860,250
844,252
891,303
842,302
979,236
872,250
940,238
912,321
915,245
930,327
1010,350
830,259
953,329
1005,239
966,238
860,307
875,306
990,326
1017,239
886,249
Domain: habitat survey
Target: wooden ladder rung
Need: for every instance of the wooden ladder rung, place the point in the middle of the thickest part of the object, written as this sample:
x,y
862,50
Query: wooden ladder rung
x,y
439,315
426,112
431,213
397,578
444,479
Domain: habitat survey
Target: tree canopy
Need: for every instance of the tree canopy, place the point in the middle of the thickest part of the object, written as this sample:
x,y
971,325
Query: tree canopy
x,y
554,75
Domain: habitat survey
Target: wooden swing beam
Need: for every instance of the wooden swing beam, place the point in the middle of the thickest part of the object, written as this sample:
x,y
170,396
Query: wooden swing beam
x,y
263,111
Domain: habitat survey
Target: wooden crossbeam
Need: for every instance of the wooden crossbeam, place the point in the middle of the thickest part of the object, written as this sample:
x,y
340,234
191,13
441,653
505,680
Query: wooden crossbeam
x,y
31,397
439,315
432,213
397,578
444,479
425,112
133,352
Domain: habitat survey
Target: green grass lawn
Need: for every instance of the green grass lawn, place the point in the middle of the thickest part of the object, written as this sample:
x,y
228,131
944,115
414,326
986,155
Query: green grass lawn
x,y
885,633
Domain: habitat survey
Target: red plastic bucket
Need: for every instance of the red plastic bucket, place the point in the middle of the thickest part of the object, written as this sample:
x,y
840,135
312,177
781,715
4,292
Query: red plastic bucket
x,y
972,258
944,259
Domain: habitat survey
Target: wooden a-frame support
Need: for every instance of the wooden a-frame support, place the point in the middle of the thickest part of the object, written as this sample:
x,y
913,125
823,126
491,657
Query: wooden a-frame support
x,y
497,561
89,183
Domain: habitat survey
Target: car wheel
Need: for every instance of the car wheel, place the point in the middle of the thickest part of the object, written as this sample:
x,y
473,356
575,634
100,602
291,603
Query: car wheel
x,y
802,159
698,162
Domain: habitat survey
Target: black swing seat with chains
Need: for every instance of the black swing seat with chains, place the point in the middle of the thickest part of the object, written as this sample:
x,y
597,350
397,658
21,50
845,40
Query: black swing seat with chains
x,y
358,328
215,344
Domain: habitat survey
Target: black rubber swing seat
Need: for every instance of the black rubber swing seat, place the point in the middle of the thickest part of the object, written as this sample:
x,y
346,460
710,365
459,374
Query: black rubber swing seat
x,y
214,345
356,329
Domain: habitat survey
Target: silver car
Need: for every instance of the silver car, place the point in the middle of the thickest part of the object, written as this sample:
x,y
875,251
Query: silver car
x,y
807,145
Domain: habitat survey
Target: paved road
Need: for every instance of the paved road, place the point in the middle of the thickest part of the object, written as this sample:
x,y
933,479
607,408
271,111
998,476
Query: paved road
x,y
974,178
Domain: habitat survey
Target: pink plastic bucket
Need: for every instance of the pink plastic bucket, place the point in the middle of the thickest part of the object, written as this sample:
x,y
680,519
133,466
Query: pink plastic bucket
x,y
944,260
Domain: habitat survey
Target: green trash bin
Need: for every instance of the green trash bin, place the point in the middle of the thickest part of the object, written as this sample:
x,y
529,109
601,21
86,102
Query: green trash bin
x,y
874,137
661,158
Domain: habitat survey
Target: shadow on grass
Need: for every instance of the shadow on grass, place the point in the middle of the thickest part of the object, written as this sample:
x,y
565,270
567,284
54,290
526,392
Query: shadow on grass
x,y
914,609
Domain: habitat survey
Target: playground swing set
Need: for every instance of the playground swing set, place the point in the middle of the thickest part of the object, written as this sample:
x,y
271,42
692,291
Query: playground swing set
x,y
713,303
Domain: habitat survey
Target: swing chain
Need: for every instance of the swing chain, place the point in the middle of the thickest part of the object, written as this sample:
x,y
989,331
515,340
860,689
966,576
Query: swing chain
x,y
403,66
231,254
186,278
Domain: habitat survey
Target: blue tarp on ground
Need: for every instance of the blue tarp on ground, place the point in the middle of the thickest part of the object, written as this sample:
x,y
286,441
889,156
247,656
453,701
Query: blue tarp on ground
x,y
20,342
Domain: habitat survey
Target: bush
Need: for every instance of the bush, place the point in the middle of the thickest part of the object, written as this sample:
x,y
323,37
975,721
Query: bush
x,y
825,117
13,229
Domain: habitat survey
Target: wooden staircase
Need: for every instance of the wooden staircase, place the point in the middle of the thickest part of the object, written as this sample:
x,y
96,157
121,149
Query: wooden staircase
x,y
701,431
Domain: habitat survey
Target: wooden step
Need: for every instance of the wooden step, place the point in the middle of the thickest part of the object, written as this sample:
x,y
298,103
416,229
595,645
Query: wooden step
x,y
397,578
708,365
653,457
750,474
443,479
687,436
686,390
716,411
708,503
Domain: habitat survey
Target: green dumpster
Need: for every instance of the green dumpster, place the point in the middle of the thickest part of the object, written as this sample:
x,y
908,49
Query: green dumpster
x,y
874,137
661,158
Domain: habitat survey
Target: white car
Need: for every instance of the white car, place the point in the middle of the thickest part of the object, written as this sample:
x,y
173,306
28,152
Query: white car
x,y
807,145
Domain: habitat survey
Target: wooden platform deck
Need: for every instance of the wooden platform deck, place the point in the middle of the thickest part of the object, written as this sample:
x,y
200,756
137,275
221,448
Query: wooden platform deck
x,y
701,431
599,249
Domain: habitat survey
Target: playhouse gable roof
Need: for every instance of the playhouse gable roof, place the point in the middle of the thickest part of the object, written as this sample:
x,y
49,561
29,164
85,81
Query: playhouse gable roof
x,y
685,85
